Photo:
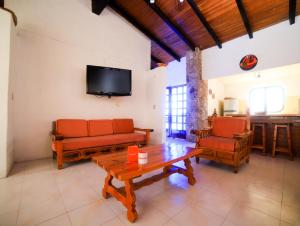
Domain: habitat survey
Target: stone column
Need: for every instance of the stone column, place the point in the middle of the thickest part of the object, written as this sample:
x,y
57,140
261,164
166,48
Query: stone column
x,y
197,92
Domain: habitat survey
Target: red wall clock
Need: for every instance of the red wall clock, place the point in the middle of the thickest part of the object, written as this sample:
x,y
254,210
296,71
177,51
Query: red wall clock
x,y
248,62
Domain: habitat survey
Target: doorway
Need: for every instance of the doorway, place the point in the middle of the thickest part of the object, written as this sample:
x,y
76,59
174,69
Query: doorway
x,y
175,112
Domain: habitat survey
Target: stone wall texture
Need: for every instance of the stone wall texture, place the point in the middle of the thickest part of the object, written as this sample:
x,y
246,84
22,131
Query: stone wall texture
x,y
197,93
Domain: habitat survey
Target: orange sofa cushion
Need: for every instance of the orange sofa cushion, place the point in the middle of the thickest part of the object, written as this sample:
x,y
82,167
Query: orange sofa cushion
x,y
227,126
72,127
123,126
100,127
220,143
88,142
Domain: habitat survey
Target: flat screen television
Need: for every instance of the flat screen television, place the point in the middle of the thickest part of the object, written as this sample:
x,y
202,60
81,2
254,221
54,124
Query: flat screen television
x,y
106,81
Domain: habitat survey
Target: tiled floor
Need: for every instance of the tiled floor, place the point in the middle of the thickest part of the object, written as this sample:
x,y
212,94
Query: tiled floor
x,y
265,192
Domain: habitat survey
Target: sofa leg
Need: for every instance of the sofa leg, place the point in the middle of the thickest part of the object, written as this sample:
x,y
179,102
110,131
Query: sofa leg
x,y
236,169
59,160
60,166
197,159
53,155
247,160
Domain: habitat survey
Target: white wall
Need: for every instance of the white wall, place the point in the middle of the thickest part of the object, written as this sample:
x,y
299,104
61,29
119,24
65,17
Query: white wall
x,y
156,103
215,99
176,72
274,46
56,40
6,81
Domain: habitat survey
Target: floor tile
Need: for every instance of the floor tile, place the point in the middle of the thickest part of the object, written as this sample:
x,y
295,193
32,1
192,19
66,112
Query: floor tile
x,y
62,220
264,192
9,219
243,215
264,205
171,223
290,214
95,213
148,217
114,222
77,194
194,215
50,208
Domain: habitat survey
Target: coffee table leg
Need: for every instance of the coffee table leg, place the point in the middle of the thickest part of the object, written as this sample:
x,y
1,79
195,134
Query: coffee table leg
x,y
107,183
130,201
189,172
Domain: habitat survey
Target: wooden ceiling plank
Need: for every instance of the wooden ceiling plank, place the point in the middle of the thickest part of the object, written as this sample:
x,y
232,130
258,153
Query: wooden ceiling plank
x,y
244,17
201,17
172,25
155,59
99,5
292,11
144,30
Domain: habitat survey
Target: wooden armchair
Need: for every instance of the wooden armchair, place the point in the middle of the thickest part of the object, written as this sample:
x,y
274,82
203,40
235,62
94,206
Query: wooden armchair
x,y
227,141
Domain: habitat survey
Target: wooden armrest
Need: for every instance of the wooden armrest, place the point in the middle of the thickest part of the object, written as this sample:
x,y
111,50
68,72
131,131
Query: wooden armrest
x,y
144,130
57,136
201,132
147,131
242,135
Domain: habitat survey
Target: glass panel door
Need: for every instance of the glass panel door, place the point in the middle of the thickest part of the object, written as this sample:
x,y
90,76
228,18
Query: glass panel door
x,y
175,113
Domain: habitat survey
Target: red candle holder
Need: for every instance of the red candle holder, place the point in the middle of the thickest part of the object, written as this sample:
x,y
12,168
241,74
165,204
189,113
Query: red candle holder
x,y
132,153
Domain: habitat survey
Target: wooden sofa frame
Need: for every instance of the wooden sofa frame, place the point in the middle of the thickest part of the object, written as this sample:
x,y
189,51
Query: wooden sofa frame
x,y
240,154
86,153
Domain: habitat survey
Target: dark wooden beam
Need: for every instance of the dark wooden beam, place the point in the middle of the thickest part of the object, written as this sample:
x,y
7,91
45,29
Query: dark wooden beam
x,y
175,28
155,59
292,11
244,17
212,33
99,5
14,17
2,3
144,30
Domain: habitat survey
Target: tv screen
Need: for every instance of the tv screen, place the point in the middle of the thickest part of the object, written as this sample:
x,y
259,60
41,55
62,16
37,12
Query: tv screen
x,y
108,81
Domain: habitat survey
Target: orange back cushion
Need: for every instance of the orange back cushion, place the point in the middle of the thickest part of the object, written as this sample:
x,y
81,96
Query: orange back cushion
x,y
72,127
227,126
123,126
100,127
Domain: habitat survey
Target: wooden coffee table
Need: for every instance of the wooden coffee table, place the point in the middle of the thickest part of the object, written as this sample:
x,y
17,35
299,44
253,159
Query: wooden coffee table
x,y
161,156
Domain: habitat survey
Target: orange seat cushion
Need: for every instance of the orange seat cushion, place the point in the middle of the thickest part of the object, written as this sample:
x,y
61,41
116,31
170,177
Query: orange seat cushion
x,y
72,127
89,142
100,127
220,143
123,126
227,126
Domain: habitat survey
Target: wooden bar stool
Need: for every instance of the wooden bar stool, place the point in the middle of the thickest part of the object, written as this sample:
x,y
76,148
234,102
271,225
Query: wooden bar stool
x,y
287,149
255,129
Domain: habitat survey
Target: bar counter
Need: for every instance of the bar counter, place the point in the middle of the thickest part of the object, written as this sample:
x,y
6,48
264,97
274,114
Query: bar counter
x,y
270,120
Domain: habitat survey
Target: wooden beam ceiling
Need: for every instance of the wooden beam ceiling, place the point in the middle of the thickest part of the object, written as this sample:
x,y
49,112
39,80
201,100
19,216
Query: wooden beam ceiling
x,y
244,17
176,28
155,59
292,11
212,33
181,34
2,3
143,29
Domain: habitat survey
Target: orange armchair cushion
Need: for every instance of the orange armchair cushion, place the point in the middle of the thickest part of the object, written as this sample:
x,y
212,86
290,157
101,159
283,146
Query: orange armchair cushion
x,y
227,126
219,143
89,142
100,127
123,126
72,127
